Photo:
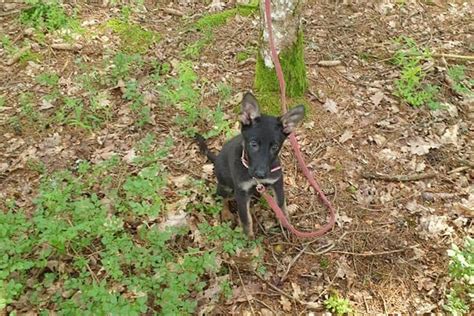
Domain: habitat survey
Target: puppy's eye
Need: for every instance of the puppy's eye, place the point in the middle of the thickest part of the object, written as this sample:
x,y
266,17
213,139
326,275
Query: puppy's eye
x,y
253,144
275,148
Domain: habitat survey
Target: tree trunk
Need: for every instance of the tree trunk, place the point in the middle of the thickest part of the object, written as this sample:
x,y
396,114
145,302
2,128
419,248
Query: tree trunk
x,y
288,37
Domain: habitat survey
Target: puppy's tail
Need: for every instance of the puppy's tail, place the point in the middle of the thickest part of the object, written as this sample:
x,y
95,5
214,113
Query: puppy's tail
x,y
203,148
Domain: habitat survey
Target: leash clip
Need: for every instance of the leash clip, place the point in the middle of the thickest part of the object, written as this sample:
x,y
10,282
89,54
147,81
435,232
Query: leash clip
x,y
260,187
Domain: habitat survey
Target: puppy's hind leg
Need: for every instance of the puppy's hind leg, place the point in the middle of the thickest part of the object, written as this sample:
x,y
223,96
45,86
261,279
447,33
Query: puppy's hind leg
x,y
226,194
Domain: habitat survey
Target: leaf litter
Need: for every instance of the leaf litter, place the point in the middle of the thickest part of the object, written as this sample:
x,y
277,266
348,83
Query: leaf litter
x,y
366,129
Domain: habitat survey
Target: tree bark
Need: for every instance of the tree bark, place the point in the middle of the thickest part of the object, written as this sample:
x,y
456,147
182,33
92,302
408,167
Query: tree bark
x,y
288,37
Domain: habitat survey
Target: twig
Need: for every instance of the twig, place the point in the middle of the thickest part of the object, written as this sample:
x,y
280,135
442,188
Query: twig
x,y
283,278
276,288
3,14
329,63
384,304
453,56
399,178
173,11
459,169
245,290
66,46
365,303
266,305
370,253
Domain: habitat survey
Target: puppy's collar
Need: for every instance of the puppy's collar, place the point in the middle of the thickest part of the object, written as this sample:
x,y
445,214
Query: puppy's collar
x,y
246,163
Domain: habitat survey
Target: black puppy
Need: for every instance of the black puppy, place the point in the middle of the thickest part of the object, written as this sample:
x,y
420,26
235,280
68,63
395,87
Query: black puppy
x,y
251,158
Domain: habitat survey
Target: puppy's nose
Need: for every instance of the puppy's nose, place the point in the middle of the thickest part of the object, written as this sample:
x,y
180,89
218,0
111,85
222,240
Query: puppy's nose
x,y
260,174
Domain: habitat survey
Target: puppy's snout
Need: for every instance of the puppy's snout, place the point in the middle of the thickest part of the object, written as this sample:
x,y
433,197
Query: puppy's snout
x,y
260,174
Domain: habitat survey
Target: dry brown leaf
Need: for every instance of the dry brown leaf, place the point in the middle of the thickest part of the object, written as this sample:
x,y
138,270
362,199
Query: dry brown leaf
x,y
344,271
177,219
345,136
420,146
377,97
239,293
130,156
266,312
180,181
208,170
297,292
435,225
285,304
330,106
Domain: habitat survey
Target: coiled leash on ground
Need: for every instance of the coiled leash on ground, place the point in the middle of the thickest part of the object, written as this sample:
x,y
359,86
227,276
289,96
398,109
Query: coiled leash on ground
x,y
296,148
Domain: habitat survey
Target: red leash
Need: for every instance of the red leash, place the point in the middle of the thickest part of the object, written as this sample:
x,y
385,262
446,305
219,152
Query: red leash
x,y
296,148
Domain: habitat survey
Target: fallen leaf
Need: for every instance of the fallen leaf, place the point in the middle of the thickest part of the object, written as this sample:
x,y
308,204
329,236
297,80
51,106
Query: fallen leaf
x,y
344,271
208,170
345,136
291,209
377,97
285,303
450,136
378,139
179,205
342,219
239,294
266,312
45,104
176,219
297,292
435,225
330,105
420,146
388,154
180,181
130,156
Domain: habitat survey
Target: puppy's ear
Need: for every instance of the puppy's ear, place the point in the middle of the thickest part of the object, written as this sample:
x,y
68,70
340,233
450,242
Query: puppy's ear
x,y
250,110
292,118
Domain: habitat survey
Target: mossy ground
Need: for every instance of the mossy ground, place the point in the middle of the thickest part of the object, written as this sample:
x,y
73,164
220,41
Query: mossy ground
x,y
217,19
294,71
134,38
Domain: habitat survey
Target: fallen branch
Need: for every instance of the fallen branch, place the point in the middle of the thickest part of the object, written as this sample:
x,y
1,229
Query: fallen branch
x,y
173,11
453,56
459,169
247,296
399,178
441,55
291,297
283,278
66,46
329,63
370,253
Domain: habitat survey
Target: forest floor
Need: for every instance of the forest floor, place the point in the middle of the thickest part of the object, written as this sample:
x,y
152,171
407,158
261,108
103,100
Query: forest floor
x,y
108,207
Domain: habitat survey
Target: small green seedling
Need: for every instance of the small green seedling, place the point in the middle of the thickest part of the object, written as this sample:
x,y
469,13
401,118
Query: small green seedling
x,y
461,84
337,305
461,270
412,86
49,15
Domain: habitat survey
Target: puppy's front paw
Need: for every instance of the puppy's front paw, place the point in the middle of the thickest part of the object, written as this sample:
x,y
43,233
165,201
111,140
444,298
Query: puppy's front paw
x,y
248,230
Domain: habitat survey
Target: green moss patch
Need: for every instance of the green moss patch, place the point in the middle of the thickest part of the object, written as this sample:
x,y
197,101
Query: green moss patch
x,y
134,38
294,71
214,20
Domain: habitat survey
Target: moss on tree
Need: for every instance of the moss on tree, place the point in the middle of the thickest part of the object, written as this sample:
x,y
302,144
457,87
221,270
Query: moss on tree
x,y
294,71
